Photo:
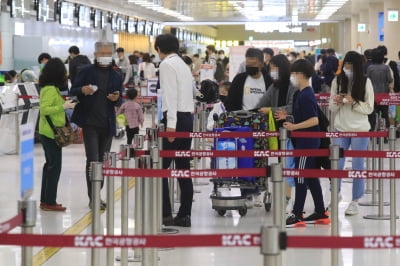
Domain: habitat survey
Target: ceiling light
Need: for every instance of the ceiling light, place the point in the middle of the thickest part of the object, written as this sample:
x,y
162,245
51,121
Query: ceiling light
x,y
330,8
160,9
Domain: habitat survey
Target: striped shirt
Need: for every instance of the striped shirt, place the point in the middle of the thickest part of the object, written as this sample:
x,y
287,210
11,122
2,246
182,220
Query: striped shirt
x,y
133,113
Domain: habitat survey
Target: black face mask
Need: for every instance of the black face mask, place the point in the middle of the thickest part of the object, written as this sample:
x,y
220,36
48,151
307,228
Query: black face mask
x,y
252,71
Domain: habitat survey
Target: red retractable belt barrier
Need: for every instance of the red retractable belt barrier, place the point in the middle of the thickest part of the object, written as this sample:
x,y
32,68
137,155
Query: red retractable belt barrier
x,y
28,96
362,174
380,98
304,134
9,225
274,153
360,242
158,241
190,241
247,153
183,173
206,135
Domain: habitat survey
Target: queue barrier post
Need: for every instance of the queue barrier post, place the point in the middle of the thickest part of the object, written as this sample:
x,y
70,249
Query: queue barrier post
x,y
381,202
96,178
138,141
112,156
283,137
368,187
149,227
153,112
334,155
124,205
270,246
28,208
279,211
203,128
138,209
392,165
159,181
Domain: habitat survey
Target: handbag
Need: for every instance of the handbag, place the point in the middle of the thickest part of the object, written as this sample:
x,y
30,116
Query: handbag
x,y
62,135
272,141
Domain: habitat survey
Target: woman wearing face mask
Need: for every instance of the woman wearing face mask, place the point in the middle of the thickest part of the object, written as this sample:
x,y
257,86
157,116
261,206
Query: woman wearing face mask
x,y
279,100
352,100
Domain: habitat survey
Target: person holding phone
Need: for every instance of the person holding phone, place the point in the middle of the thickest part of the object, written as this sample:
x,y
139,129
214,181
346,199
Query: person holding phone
x,y
98,88
352,100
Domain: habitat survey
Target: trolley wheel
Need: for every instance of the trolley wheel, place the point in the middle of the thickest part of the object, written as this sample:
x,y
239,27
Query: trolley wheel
x,y
221,212
267,207
243,211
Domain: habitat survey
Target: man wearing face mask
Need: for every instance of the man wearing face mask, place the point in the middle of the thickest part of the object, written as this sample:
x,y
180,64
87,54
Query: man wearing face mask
x,y
98,88
123,61
248,87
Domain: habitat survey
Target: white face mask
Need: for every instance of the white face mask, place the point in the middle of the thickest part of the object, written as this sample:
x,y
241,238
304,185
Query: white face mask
x,y
104,60
274,75
294,81
221,57
348,73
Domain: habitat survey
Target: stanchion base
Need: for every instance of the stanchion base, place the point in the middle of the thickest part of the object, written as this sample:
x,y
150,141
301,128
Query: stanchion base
x,y
200,183
130,259
371,203
378,217
169,231
165,249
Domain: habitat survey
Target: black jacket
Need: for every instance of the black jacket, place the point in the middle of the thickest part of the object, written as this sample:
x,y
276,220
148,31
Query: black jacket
x,y
234,100
75,64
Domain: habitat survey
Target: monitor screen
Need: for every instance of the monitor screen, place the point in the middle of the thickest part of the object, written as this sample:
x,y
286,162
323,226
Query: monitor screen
x,y
131,25
46,10
114,22
67,14
84,17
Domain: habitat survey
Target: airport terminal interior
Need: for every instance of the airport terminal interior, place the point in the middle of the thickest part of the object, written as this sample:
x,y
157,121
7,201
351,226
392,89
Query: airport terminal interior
x,y
301,28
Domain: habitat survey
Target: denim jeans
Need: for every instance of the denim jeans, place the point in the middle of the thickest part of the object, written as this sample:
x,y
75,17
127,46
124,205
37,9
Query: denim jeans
x,y
97,141
360,144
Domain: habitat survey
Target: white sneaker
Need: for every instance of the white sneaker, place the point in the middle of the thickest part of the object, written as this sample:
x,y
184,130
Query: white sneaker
x,y
258,202
249,202
352,209
329,205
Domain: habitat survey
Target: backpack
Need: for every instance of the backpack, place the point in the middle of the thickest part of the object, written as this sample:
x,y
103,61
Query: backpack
x,y
209,91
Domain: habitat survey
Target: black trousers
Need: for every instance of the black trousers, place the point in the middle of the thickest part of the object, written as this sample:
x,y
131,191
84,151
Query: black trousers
x,y
97,141
185,124
51,170
130,133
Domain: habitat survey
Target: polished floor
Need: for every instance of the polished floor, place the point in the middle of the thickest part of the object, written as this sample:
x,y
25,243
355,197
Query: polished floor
x,y
72,194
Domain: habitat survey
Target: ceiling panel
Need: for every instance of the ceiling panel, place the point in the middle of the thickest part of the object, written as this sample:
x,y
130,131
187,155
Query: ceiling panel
x,y
226,11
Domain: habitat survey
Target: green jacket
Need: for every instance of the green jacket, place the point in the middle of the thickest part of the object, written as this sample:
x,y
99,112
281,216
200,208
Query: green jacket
x,y
51,104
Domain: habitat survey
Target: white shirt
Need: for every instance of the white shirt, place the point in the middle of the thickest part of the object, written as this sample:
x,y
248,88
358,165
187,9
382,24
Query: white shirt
x,y
253,91
176,82
353,118
149,70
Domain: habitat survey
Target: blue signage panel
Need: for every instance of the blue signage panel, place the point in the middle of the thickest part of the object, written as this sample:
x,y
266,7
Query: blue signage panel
x,y
26,159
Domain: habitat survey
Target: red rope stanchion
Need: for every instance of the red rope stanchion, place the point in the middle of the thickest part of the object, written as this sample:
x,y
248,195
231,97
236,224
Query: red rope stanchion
x,y
9,225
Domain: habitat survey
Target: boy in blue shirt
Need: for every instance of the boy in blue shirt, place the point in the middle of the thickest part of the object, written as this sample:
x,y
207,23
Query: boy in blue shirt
x,y
305,114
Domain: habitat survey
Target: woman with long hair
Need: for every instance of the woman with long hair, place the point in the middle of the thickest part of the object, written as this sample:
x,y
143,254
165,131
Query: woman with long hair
x,y
52,106
279,100
352,100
